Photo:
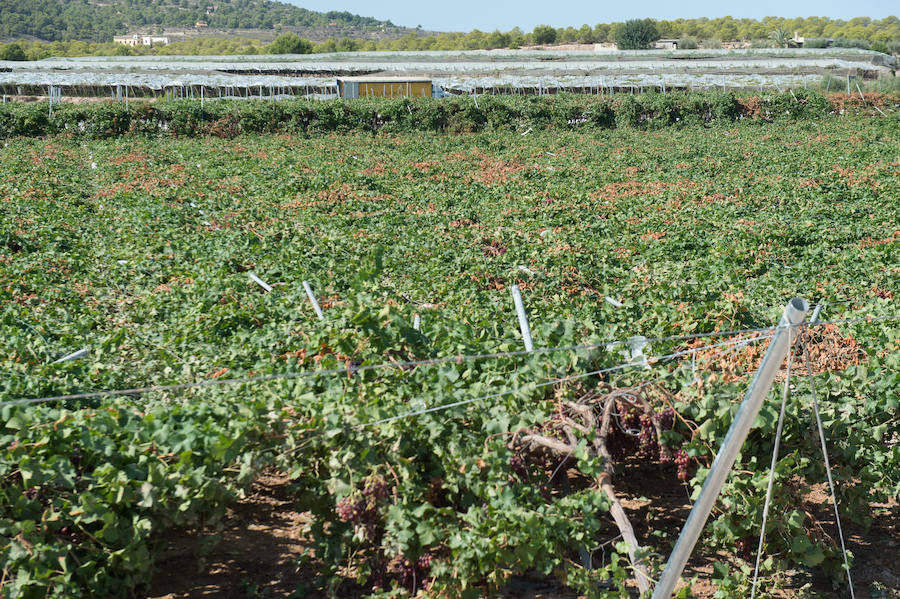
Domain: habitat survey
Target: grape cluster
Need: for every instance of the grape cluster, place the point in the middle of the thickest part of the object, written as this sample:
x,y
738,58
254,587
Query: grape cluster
x,y
424,563
648,446
376,487
363,509
683,461
412,575
666,422
629,416
406,574
350,510
621,444
518,467
744,547
666,419
377,572
361,512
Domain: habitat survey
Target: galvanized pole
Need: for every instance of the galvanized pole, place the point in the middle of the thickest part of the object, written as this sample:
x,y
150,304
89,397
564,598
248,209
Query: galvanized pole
x,y
523,318
73,356
794,313
312,300
258,281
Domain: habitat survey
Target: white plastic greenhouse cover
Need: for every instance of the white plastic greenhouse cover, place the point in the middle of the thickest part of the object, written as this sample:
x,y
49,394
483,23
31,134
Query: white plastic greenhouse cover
x,y
452,70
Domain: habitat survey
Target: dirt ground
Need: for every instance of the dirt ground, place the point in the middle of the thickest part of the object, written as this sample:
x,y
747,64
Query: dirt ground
x,y
264,536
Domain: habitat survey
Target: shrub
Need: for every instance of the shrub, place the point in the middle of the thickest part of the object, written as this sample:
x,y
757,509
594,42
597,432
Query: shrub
x,y
32,121
68,119
687,43
627,111
109,119
181,117
636,34
880,47
602,114
464,116
502,112
706,107
800,104
145,119
430,115
456,114
544,34
847,42
712,43
290,43
830,83
12,52
815,42
762,43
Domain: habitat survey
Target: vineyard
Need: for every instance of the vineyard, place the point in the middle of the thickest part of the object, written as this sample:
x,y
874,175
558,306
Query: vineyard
x,y
160,351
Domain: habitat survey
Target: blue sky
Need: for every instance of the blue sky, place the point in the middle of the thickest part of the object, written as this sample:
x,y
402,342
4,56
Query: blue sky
x,y
465,15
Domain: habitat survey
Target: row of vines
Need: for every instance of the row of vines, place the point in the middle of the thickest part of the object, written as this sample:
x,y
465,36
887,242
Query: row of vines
x,y
460,114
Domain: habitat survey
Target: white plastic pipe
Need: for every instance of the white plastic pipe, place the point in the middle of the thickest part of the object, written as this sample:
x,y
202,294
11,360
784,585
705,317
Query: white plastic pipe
x,y
312,300
523,318
794,313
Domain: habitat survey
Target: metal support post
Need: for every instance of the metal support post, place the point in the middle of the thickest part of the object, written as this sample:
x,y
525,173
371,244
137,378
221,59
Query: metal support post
x,y
794,313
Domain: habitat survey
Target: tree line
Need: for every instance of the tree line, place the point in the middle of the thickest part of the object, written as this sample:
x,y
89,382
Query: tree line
x,y
877,34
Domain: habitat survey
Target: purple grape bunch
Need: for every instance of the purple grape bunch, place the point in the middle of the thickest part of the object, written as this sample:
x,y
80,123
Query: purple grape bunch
x,y
648,447
518,467
412,575
683,461
362,509
666,419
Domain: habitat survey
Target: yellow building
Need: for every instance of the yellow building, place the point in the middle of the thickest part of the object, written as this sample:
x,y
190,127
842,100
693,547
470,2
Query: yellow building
x,y
385,87
128,40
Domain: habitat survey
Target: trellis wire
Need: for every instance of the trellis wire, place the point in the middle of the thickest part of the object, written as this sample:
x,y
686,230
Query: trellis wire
x,y
837,516
778,429
405,364
312,373
564,379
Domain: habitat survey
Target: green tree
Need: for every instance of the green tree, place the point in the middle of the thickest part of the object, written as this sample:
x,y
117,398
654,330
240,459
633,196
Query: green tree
x,y
544,34
496,39
636,34
12,52
586,35
601,32
781,37
290,43
568,35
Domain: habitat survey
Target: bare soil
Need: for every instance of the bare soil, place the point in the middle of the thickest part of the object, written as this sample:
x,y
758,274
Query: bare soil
x,y
262,540
264,536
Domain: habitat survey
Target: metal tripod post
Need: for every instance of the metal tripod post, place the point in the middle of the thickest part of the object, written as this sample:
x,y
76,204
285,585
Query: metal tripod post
x,y
794,313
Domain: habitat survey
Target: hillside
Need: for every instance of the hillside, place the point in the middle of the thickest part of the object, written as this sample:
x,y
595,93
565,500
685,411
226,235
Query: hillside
x,y
99,21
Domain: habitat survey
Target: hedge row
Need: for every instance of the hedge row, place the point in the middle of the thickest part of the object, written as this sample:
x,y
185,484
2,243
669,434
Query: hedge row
x,y
457,114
